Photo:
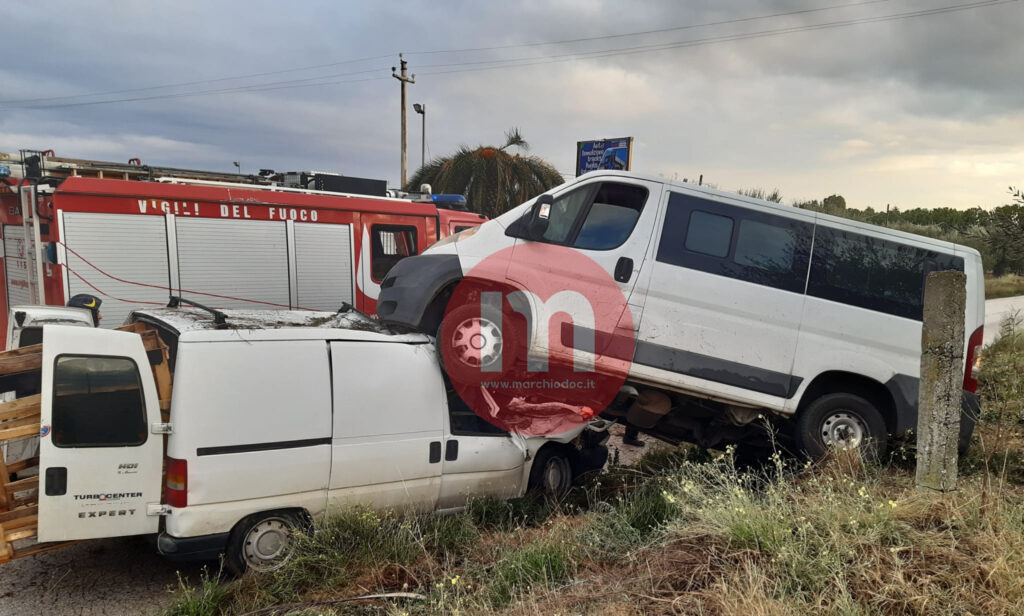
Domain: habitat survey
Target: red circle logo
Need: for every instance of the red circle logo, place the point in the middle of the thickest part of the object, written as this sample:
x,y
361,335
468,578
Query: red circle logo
x,y
537,339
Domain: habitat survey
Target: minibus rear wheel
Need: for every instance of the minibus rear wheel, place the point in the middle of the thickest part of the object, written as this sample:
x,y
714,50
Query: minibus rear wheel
x,y
263,541
841,421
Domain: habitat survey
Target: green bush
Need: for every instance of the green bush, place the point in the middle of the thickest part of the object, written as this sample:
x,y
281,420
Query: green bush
x,y
541,565
447,536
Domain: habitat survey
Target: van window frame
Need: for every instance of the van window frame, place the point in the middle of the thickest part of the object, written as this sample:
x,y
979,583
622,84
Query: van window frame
x,y
142,403
516,228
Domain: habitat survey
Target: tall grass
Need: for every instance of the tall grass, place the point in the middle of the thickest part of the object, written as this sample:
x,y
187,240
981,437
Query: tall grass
x,y
1009,285
686,533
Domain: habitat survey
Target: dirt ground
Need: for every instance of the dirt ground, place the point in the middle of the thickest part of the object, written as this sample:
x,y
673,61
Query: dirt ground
x,y
99,577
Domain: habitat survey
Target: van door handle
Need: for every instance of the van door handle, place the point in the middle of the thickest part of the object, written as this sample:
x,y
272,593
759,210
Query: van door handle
x,y
435,452
56,481
451,450
623,269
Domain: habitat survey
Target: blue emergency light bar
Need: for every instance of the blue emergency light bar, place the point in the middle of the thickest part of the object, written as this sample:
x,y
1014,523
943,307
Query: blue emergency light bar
x,y
454,202
5,171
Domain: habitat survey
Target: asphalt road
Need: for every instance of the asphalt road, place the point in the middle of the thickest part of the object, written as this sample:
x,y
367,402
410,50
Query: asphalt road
x,y
103,576
998,309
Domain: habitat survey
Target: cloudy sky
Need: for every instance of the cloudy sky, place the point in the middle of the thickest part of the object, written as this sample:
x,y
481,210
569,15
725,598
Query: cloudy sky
x,y
915,103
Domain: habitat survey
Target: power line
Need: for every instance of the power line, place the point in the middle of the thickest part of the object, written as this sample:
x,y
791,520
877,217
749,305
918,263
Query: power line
x,y
274,85
658,31
437,51
530,61
199,82
472,66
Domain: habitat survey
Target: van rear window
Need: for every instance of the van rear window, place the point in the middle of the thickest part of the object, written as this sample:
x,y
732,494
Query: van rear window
x,y
30,336
97,402
873,273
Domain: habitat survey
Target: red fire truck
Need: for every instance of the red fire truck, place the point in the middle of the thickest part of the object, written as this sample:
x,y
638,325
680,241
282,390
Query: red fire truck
x,y
138,239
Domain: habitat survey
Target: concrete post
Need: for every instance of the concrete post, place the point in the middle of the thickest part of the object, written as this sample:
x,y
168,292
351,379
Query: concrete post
x,y
942,356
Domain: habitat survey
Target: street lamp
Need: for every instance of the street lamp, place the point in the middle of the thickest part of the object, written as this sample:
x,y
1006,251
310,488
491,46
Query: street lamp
x,y
237,166
422,110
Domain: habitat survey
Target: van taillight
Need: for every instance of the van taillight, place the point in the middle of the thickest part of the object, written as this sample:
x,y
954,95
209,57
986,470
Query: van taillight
x,y
176,493
973,362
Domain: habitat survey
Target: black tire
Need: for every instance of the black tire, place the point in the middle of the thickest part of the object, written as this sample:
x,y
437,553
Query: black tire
x,y
552,472
842,420
468,325
263,541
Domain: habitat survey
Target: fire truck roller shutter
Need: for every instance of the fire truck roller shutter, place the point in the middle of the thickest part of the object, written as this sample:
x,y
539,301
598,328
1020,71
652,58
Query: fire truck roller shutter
x,y
15,266
241,259
323,259
125,246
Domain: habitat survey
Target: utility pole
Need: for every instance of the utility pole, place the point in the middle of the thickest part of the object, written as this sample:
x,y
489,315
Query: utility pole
x,y
404,79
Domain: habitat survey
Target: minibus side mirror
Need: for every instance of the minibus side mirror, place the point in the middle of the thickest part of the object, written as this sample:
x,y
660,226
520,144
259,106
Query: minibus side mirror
x,y
540,214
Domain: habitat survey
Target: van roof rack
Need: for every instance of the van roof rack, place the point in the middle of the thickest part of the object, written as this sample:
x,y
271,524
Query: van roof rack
x,y
219,318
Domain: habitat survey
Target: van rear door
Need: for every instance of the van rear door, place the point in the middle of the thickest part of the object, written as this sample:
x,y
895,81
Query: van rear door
x,y
99,464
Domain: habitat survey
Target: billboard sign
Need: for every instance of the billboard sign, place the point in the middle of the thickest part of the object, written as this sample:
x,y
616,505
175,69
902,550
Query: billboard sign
x,y
604,154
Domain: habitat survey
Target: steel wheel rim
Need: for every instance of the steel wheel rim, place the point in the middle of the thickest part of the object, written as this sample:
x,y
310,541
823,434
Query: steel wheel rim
x,y
844,430
267,544
556,474
477,342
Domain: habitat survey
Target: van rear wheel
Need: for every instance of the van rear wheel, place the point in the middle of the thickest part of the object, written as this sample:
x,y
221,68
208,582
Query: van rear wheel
x,y
262,542
841,421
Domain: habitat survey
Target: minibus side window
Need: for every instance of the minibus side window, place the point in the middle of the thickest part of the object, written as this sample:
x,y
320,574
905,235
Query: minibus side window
x,y
97,402
869,272
736,242
390,244
709,234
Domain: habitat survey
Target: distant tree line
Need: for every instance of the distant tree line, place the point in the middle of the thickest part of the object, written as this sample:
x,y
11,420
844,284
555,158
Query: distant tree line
x,y
998,234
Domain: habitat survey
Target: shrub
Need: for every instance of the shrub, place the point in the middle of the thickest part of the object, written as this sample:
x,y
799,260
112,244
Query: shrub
x,y
541,565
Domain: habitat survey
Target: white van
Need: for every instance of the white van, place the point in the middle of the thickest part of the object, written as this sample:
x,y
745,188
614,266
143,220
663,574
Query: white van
x,y
741,307
275,418
25,323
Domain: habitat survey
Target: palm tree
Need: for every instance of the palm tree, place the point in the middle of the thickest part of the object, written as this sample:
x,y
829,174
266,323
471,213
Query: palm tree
x,y
492,179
